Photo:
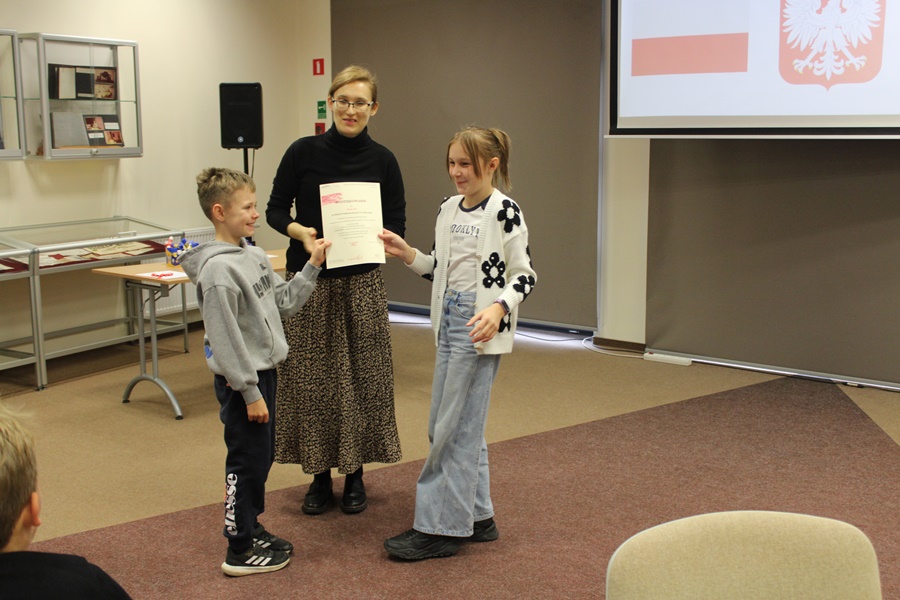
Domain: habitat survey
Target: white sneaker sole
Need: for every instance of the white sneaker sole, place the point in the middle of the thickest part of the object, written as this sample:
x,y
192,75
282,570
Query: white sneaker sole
x,y
241,570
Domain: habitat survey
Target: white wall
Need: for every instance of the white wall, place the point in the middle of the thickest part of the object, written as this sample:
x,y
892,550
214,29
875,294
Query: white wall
x,y
186,48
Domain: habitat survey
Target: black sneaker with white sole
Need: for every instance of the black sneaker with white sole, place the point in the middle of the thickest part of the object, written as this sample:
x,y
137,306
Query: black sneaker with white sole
x,y
254,560
484,531
264,539
415,545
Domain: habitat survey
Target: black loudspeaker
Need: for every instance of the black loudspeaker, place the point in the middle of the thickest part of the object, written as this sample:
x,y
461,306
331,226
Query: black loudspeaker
x,y
240,109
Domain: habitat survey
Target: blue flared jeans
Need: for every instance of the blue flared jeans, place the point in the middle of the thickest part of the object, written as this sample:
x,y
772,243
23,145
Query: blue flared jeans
x,y
454,487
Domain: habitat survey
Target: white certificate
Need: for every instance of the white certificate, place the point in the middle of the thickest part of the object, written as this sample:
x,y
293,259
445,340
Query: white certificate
x,y
351,221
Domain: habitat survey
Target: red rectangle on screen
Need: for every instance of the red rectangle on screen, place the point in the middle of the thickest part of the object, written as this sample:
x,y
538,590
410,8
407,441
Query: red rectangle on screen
x,y
689,54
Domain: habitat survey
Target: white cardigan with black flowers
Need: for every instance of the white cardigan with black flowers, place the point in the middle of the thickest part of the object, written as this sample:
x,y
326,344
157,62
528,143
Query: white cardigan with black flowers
x,y
505,270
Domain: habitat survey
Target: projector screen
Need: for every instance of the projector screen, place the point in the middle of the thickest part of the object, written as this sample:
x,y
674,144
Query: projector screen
x,y
796,68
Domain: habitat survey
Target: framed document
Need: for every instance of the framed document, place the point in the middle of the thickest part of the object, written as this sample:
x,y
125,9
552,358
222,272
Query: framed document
x,y
351,221
103,130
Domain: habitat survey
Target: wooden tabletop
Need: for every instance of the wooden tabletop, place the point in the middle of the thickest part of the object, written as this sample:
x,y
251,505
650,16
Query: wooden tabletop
x,y
165,273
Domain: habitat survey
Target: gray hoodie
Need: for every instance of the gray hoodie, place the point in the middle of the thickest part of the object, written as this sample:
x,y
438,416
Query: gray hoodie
x,y
242,301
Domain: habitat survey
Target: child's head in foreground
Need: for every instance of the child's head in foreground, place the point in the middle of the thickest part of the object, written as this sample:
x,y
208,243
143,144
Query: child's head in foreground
x,y
18,472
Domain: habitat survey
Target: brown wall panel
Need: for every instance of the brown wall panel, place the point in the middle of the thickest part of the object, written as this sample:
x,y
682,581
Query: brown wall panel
x,y
783,253
531,68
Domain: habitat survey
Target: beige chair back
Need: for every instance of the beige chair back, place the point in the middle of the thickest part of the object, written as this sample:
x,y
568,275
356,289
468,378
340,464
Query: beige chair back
x,y
741,555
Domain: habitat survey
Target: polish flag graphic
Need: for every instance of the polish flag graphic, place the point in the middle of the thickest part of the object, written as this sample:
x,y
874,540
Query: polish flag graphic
x,y
690,37
826,42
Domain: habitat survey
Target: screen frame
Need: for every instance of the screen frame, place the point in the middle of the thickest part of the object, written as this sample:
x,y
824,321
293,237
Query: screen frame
x,y
614,129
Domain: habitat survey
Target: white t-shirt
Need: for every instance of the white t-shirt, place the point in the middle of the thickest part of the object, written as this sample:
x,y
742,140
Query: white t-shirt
x,y
462,274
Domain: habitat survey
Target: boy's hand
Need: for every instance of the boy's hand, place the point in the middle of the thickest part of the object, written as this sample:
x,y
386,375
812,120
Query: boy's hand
x,y
317,256
397,246
258,411
486,323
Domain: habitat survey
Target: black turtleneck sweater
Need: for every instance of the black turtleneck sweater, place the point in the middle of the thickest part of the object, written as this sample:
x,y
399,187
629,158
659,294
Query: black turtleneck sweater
x,y
332,158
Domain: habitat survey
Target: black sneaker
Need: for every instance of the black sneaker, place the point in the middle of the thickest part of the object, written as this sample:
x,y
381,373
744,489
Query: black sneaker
x,y
415,545
254,560
484,531
264,539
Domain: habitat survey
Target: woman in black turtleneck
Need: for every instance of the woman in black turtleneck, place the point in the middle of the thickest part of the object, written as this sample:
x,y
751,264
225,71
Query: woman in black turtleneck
x,y
335,400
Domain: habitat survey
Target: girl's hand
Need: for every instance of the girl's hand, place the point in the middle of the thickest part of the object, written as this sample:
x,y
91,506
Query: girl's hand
x,y
395,245
486,323
317,256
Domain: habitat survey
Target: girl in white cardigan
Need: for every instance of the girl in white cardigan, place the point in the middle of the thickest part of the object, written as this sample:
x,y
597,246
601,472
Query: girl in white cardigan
x,y
481,271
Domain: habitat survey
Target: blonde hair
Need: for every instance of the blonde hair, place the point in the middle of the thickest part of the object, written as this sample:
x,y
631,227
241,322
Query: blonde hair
x,y
481,145
18,472
352,74
217,185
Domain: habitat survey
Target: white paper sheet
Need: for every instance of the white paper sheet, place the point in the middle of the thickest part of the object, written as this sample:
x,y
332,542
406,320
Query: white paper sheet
x,y
351,221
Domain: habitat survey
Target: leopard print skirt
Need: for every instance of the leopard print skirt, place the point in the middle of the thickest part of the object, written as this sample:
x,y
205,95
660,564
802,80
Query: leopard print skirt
x,y
335,399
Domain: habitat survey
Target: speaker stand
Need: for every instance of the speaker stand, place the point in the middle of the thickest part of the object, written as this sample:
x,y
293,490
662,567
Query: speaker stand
x,y
246,163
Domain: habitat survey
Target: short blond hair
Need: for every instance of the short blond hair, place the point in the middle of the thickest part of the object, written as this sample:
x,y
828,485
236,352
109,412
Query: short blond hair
x,y
352,74
18,472
216,185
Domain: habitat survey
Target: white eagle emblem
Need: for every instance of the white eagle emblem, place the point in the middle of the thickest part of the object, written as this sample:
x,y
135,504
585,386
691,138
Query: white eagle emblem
x,y
832,30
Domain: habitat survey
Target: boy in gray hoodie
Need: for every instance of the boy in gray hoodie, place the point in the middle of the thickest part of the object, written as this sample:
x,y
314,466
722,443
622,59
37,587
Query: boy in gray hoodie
x,y
242,302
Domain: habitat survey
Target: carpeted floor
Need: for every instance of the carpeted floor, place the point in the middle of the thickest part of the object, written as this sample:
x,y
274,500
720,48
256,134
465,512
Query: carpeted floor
x,y
565,500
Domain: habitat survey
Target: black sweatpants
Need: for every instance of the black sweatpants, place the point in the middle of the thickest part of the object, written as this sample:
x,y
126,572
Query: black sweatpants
x,y
251,451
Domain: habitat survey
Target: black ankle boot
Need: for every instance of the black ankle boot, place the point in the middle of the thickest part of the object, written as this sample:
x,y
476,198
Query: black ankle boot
x,y
319,495
354,499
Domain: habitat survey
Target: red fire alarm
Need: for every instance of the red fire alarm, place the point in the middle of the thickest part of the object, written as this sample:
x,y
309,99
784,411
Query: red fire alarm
x,y
318,66
320,128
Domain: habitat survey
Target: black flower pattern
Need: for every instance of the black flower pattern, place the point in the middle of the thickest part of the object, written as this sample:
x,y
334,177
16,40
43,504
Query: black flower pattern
x,y
524,285
509,215
505,324
491,266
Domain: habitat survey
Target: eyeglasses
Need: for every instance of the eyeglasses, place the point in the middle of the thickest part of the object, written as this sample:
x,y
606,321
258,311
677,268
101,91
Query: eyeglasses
x,y
345,104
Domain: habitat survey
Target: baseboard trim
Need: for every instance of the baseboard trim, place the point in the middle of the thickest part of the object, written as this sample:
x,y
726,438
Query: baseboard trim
x,y
523,322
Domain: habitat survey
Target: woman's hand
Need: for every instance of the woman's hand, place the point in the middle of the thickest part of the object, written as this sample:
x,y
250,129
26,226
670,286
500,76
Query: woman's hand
x,y
306,235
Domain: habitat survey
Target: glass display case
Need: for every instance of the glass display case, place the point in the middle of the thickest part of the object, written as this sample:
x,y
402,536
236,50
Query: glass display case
x,y
80,97
12,134
36,251
17,263
90,243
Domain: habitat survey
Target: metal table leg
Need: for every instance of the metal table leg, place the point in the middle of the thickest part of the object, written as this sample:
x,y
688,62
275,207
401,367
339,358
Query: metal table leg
x,y
163,290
